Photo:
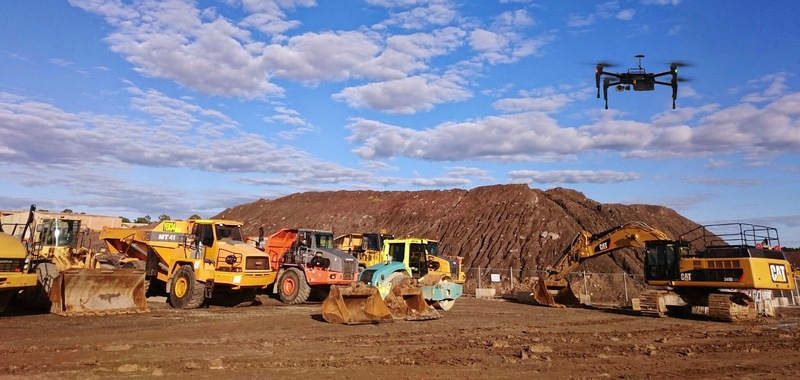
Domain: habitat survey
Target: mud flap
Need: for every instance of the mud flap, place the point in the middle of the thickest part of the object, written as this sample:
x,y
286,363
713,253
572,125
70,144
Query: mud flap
x,y
407,301
355,304
98,291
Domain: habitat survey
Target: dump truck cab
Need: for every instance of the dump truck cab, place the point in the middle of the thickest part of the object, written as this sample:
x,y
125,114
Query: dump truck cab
x,y
194,259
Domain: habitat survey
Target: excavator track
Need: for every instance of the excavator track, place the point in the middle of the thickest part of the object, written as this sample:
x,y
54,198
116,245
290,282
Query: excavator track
x,y
653,304
731,307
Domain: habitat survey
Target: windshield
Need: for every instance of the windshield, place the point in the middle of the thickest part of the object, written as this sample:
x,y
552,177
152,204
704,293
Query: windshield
x,y
228,232
433,248
59,232
324,240
373,241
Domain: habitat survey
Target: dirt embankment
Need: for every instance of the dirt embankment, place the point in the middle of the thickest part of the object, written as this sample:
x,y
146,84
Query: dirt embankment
x,y
501,226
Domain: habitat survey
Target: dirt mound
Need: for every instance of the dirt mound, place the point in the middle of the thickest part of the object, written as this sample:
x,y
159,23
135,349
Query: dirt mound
x,y
500,226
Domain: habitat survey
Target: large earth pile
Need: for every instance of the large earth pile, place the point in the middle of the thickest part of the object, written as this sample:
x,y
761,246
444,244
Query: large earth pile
x,y
493,227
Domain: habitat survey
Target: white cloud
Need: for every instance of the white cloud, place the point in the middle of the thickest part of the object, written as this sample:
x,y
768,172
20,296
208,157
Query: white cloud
x,y
570,176
403,96
625,14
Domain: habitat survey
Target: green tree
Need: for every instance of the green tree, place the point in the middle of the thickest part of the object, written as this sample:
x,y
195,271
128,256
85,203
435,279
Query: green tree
x,y
67,211
142,219
195,216
124,219
163,217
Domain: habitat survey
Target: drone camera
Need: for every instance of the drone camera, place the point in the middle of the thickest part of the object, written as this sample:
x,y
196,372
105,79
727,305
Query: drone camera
x,y
620,88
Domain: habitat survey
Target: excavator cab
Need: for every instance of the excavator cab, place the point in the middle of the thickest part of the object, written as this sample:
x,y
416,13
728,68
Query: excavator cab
x,y
662,259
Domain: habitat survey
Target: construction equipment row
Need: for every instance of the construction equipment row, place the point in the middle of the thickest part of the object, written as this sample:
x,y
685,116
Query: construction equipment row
x,y
360,277
192,263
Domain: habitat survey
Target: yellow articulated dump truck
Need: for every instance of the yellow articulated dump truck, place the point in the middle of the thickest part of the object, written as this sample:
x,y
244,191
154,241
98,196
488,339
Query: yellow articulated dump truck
x,y
193,261
13,278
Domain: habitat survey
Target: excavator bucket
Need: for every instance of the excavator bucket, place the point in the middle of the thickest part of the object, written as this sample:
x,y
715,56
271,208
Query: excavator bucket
x,y
554,293
355,304
98,291
406,301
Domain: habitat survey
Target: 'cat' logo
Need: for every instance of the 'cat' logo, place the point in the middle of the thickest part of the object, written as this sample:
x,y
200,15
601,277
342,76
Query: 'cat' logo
x,y
778,273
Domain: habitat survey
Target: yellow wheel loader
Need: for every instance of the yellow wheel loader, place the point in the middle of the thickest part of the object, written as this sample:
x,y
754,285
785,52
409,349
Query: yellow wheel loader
x,y
709,268
69,278
195,260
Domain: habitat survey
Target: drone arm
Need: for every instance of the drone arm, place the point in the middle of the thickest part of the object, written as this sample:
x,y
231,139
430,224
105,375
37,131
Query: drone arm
x,y
674,85
597,81
662,74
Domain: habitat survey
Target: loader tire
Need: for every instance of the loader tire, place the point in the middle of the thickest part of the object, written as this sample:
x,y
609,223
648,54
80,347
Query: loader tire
x,y
186,292
293,287
38,297
5,299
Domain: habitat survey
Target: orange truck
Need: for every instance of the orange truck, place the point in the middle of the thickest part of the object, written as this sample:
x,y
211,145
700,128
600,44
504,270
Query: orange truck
x,y
307,262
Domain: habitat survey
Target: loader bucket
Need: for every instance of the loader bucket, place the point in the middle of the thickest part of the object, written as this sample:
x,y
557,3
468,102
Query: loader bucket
x,y
554,293
98,291
355,304
407,302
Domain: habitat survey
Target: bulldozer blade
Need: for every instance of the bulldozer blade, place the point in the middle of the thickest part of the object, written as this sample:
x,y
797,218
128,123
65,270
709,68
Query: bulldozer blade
x,y
406,301
354,305
98,291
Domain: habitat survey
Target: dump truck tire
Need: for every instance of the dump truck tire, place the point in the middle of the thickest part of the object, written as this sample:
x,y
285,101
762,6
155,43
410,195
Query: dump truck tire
x,y
293,287
186,292
5,299
234,298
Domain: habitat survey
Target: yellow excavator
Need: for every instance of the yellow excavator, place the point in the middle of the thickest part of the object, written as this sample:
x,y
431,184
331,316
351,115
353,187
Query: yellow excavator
x,y
711,267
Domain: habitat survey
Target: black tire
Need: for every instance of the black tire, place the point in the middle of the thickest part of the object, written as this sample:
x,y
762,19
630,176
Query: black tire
x,y
185,292
293,287
320,292
5,299
38,297
234,298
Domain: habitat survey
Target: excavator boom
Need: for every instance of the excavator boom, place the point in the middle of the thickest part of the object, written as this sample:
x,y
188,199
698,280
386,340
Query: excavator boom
x,y
554,290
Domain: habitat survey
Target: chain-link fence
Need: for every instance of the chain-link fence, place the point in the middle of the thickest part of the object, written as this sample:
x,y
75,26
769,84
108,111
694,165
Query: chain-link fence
x,y
600,288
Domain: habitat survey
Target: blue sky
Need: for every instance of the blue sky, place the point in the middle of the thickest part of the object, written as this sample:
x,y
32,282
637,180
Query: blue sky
x,y
181,107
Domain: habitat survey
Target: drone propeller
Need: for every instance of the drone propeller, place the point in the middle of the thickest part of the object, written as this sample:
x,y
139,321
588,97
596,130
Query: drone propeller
x,y
607,64
681,64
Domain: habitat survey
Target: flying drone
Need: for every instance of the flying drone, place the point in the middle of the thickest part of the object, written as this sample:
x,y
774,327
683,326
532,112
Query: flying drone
x,y
638,78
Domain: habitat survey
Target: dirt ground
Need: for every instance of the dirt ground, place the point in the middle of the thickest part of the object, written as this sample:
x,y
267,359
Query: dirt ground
x,y
477,339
